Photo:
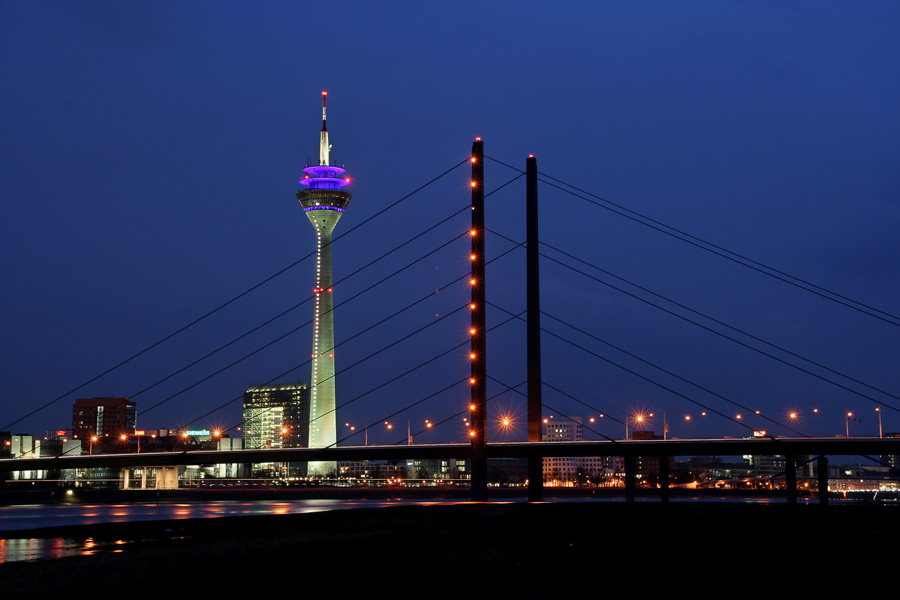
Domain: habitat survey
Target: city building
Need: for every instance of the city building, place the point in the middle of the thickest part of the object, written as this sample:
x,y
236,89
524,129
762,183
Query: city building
x,y
373,470
646,468
5,444
324,202
562,470
276,416
570,471
103,417
439,468
891,460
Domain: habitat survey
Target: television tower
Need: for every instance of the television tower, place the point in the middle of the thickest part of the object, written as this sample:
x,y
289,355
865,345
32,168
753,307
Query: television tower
x,y
324,203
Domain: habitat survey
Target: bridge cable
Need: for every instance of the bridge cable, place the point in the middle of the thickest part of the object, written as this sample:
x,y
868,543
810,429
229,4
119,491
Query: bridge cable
x,y
722,323
341,304
295,306
404,409
294,330
720,334
760,268
453,282
227,303
463,411
667,372
554,410
635,373
727,337
442,354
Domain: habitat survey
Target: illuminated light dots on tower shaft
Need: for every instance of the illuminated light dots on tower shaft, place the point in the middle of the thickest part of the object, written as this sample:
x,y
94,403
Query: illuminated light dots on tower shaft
x,y
323,201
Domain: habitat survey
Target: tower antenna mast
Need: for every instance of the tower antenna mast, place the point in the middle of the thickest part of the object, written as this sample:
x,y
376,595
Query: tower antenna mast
x,y
324,146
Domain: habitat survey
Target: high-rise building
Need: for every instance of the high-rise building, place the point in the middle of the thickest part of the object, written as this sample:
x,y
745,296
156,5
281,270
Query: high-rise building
x,y
103,417
276,416
324,202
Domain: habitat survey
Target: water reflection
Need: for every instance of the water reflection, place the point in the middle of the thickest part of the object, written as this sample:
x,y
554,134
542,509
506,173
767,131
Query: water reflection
x,y
34,516
15,518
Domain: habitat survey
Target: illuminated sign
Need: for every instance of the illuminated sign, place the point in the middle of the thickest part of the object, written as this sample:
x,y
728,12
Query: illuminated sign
x,y
197,432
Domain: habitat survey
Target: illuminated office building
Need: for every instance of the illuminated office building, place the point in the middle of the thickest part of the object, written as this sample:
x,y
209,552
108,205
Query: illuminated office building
x,y
276,416
324,202
103,417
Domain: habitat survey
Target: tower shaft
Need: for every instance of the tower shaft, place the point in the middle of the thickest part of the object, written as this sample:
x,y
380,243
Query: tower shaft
x,y
323,423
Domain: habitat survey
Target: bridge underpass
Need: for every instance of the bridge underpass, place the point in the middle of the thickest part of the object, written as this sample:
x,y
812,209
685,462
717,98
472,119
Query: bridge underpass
x,y
791,448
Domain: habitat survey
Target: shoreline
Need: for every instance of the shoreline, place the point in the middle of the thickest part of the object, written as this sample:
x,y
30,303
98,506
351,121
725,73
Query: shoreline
x,y
544,548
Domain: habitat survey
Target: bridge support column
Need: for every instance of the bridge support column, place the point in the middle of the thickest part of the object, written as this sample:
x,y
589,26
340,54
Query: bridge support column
x,y
629,478
533,300
663,478
790,478
822,467
478,331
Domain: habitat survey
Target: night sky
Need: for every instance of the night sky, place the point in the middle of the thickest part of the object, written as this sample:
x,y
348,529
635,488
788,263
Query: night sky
x,y
151,152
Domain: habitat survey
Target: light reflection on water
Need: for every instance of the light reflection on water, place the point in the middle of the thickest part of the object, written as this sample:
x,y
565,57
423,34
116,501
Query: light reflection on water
x,y
34,516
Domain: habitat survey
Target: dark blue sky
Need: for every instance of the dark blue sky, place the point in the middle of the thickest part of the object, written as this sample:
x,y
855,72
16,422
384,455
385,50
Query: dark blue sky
x,y
150,154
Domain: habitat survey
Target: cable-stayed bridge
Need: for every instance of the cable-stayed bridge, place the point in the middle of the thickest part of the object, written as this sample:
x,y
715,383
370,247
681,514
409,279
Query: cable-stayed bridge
x,y
430,354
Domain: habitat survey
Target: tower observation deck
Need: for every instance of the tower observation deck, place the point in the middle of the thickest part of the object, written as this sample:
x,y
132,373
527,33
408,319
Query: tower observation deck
x,y
323,201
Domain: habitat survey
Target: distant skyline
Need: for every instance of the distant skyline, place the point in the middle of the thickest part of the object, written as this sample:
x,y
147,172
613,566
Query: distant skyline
x,y
151,154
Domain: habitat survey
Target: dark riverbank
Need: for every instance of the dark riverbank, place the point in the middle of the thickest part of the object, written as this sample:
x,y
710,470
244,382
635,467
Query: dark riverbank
x,y
529,550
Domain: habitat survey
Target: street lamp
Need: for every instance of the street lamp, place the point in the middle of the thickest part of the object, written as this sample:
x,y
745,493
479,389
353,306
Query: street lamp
x,y
639,418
